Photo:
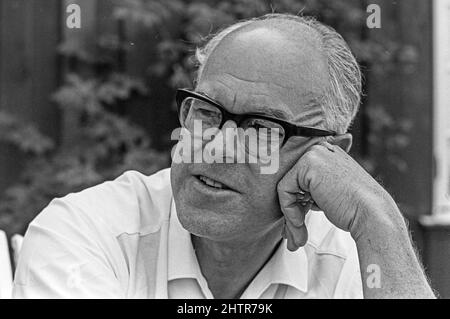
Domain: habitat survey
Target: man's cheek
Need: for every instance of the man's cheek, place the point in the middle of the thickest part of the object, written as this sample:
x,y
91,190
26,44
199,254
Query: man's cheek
x,y
179,175
272,168
264,197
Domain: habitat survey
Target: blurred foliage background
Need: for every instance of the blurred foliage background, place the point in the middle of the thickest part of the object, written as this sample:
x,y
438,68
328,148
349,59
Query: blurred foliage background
x,y
118,112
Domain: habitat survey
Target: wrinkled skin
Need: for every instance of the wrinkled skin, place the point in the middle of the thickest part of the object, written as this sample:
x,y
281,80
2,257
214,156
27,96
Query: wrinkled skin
x,y
235,232
283,71
238,76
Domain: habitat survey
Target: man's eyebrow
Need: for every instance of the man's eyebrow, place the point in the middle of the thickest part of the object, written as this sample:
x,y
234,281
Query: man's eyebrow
x,y
260,109
277,113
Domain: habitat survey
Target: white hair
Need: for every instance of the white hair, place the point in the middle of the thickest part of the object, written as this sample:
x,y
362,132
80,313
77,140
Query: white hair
x,y
343,95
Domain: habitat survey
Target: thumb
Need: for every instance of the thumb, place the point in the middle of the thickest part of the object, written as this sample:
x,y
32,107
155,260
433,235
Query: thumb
x,y
293,152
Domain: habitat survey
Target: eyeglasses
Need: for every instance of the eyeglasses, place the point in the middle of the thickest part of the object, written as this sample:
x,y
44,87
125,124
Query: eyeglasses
x,y
193,106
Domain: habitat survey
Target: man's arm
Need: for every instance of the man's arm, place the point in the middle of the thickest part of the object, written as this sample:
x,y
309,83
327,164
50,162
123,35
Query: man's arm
x,y
384,245
353,201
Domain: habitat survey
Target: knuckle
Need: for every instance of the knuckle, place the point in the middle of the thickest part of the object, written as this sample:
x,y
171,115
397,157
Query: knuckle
x,y
310,157
281,186
314,154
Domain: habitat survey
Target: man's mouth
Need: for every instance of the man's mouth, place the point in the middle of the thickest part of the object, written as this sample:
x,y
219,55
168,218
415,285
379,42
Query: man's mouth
x,y
212,183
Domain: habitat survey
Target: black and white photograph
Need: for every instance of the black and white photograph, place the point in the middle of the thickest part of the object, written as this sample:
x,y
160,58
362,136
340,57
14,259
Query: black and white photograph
x,y
236,149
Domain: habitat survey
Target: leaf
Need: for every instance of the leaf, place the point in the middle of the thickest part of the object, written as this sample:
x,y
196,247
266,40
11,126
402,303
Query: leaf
x,y
119,87
23,135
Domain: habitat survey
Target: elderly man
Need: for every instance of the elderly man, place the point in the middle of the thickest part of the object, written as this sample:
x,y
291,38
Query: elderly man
x,y
319,226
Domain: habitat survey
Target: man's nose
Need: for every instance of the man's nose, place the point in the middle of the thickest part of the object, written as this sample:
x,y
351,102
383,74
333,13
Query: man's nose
x,y
226,143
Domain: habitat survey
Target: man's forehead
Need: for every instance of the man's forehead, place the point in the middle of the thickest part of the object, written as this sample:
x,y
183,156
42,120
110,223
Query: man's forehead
x,y
266,65
290,57
256,97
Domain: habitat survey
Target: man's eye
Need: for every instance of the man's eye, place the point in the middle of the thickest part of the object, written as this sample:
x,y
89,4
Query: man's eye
x,y
268,130
258,126
205,112
200,112
267,133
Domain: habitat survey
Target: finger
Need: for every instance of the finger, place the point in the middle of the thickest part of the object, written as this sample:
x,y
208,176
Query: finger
x,y
288,188
291,208
298,234
290,240
294,205
303,197
327,145
304,236
297,237
294,150
306,201
283,231
289,184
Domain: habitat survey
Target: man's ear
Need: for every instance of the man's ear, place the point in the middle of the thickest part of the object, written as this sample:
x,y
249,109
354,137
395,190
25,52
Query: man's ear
x,y
344,141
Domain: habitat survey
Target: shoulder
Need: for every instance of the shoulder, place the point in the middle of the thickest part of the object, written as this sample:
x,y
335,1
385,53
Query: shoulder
x,y
132,203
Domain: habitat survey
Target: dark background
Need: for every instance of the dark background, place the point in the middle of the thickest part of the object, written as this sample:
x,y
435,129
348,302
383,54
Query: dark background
x,y
80,106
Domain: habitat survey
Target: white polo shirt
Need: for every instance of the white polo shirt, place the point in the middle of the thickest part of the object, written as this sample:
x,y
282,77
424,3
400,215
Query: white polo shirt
x,y
122,239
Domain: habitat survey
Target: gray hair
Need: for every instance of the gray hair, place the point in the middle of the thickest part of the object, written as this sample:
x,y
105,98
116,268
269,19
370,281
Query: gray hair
x,y
343,96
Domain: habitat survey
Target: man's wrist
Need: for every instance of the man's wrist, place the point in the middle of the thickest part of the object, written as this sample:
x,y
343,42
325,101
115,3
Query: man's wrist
x,y
377,213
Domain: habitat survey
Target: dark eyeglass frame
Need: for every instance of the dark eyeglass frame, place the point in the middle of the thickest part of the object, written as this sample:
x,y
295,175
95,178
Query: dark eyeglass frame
x,y
289,128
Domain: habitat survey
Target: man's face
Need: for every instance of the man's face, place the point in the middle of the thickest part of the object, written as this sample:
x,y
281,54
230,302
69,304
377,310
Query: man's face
x,y
256,69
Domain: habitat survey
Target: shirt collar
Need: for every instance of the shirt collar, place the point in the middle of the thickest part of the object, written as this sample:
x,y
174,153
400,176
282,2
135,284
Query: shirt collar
x,y
284,267
183,262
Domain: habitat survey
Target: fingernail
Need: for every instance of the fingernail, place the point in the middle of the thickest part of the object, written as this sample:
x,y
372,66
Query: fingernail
x,y
291,246
330,147
301,196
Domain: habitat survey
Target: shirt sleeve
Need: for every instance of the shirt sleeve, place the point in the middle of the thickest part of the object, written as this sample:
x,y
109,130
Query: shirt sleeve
x,y
62,257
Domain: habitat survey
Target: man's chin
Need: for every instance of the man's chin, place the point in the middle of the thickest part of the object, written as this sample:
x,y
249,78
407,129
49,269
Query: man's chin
x,y
212,224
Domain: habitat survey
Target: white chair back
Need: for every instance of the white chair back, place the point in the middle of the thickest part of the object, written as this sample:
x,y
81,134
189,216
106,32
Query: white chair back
x,y
16,244
6,277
